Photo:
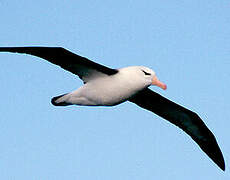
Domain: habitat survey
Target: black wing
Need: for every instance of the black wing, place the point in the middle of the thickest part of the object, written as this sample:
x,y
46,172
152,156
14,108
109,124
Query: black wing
x,y
69,61
187,120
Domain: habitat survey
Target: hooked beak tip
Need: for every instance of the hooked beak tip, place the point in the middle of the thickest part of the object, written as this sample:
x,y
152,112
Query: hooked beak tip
x,y
164,87
158,83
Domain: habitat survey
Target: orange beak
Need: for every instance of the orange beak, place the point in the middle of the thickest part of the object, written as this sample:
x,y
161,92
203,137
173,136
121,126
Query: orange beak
x,y
158,83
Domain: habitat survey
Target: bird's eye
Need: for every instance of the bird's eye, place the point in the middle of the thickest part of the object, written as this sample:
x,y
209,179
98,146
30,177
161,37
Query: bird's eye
x,y
146,73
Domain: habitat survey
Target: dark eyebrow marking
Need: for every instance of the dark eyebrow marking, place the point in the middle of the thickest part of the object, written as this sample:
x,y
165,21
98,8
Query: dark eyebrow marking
x,y
145,72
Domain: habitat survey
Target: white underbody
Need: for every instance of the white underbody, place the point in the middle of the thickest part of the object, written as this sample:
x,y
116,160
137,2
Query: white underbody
x,y
107,90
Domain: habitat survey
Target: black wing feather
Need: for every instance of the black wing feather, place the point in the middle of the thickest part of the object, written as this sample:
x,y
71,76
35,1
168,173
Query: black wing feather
x,y
187,120
69,61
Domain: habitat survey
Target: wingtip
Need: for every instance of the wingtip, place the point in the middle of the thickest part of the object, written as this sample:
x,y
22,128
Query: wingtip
x,y
221,163
214,152
223,168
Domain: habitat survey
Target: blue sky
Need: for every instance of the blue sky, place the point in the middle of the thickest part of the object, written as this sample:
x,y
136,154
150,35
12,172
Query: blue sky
x,y
187,43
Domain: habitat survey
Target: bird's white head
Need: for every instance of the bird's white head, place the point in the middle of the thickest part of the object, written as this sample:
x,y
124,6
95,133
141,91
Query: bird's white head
x,y
151,77
141,77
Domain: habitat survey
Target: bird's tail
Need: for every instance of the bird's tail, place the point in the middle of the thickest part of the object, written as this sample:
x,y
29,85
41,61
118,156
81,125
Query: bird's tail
x,y
60,100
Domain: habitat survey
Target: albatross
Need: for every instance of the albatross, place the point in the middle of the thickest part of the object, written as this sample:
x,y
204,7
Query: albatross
x,y
104,86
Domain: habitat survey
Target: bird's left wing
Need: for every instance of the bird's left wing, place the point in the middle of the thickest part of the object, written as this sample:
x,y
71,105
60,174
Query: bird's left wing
x,y
69,61
185,119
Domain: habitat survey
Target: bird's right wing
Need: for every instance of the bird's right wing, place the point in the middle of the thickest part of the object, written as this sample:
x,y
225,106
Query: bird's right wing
x,y
185,119
69,61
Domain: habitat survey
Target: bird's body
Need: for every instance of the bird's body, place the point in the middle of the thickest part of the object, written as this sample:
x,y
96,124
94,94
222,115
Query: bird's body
x,y
104,86
106,90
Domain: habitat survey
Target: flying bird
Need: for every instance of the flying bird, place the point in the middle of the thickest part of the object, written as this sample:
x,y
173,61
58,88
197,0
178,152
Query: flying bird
x,y
104,86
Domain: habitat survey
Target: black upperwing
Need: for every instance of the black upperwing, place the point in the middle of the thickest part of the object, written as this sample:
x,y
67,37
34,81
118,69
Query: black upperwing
x,y
69,61
185,119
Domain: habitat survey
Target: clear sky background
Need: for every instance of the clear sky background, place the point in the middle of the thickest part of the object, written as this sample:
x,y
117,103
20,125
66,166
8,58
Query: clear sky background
x,y
187,43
